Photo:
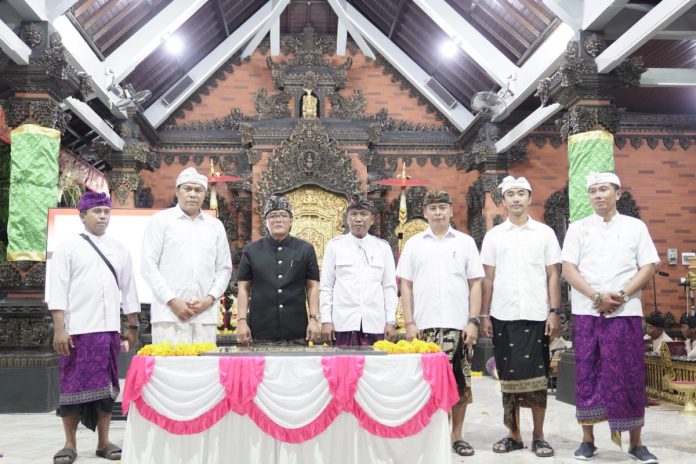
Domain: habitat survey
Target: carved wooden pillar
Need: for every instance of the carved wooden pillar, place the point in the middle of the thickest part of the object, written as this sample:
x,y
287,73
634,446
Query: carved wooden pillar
x,y
591,119
28,367
124,179
484,200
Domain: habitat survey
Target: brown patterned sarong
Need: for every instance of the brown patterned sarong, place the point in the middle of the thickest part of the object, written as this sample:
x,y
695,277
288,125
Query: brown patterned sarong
x,y
450,342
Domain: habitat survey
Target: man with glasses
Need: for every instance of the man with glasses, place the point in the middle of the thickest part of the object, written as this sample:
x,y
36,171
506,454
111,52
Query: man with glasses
x,y
358,260
278,276
187,264
441,274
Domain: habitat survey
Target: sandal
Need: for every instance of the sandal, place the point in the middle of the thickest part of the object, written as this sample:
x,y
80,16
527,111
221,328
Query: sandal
x,y
542,449
65,456
507,444
462,448
110,453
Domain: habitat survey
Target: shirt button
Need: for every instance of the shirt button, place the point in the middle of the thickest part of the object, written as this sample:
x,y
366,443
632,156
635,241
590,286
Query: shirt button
x,y
280,248
280,261
280,306
280,276
280,290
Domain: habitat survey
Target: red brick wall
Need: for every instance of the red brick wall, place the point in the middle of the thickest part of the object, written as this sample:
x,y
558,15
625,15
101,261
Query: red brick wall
x,y
238,90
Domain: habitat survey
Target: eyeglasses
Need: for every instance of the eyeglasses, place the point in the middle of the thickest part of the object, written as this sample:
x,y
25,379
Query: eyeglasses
x,y
281,216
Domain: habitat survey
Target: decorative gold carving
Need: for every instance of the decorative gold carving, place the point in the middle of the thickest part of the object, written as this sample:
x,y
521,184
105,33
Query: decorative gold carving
x,y
308,157
317,216
411,228
663,370
309,105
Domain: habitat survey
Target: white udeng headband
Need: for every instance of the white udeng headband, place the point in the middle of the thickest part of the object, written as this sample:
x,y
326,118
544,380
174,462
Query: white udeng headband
x,y
510,183
191,176
594,178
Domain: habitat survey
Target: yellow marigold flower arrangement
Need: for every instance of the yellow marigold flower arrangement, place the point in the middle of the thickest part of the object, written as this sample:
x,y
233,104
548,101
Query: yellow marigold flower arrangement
x,y
403,347
179,349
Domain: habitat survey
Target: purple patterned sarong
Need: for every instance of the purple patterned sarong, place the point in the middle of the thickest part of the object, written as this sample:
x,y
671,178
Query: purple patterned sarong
x,y
356,338
610,371
90,373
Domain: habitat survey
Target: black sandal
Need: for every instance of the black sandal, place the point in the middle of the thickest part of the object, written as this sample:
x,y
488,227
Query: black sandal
x,y
508,444
65,456
462,448
538,447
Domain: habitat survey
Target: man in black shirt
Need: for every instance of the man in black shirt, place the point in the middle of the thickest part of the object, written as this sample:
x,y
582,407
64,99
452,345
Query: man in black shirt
x,y
278,275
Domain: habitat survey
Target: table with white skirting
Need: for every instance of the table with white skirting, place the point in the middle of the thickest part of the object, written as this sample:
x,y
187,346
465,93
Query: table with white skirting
x,y
288,409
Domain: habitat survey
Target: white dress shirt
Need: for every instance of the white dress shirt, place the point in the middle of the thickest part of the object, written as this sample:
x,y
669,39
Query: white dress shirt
x,y
358,284
185,258
81,284
520,256
657,343
440,270
608,255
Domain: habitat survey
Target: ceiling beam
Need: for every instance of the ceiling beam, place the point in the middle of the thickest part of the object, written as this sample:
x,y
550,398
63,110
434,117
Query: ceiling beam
x,y
30,10
274,19
341,8
84,59
658,18
530,123
459,116
568,11
93,120
668,77
126,57
58,8
597,13
486,55
13,46
158,112
275,37
341,38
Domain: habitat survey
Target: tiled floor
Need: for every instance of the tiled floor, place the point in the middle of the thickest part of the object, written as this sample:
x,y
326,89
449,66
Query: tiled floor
x,y
34,438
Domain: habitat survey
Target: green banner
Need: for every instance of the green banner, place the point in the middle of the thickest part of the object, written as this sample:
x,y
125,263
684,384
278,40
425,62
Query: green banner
x,y
588,152
33,189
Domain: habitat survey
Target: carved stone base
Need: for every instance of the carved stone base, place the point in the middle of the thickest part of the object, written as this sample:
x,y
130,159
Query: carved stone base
x,y
565,389
30,382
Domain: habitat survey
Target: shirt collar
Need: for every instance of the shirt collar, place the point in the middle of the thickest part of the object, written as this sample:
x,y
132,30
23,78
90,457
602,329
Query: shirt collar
x,y
94,238
277,243
181,214
429,232
600,220
358,241
530,224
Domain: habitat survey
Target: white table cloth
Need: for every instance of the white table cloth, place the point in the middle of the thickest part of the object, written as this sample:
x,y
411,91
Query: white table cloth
x,y
288,409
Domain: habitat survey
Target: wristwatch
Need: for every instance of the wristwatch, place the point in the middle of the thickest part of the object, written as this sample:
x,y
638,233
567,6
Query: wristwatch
x,y
558,311
474,320
316,318
625,296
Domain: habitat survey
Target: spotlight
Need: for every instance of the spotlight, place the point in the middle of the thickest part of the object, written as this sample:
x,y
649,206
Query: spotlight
x,y
449,49
174,44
